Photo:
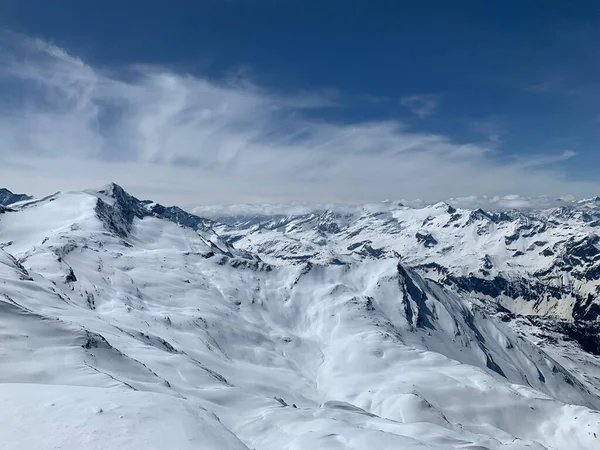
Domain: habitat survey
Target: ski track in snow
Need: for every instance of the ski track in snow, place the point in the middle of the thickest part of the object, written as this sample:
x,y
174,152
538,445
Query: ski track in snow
x,y
127,331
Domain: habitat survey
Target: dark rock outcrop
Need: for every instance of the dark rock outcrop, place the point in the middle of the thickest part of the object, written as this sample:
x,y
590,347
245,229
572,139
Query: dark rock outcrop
x,y
8,198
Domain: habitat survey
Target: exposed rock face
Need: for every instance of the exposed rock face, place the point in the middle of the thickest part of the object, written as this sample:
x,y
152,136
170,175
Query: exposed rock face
x,y
8,198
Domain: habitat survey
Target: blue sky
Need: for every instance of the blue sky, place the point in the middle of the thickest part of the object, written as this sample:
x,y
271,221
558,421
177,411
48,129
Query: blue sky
x,y
294,100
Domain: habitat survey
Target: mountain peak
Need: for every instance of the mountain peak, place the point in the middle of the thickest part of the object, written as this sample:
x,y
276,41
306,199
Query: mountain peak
x,y
444,205
111,189
8,198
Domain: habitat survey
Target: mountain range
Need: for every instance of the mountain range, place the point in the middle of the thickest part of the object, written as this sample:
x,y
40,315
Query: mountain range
x,y
126,323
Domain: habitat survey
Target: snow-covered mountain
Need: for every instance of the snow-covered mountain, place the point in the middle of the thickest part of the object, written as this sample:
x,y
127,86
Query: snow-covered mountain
x,y
531,261
127,324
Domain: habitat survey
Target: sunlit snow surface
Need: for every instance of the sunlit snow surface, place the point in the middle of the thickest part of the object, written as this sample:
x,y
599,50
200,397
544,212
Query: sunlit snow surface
x,y
166,337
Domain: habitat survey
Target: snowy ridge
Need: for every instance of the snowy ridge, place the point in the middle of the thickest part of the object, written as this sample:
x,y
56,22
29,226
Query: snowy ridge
x,y
142,325
496,203
531,261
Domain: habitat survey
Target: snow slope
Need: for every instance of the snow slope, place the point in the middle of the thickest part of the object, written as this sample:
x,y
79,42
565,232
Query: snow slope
x,y
126,324
48,417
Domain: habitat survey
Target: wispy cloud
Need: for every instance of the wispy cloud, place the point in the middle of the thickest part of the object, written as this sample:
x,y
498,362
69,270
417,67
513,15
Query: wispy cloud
x,y
182,139
492,129
539,88
422,106
545,160
375,99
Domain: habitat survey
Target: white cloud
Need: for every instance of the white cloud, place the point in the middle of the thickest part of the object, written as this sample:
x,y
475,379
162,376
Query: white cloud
x,y
495,203
422,106
545,160
181,139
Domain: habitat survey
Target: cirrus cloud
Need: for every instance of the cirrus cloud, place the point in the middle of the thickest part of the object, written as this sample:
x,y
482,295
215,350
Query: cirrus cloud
x,y
423,105
180,138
